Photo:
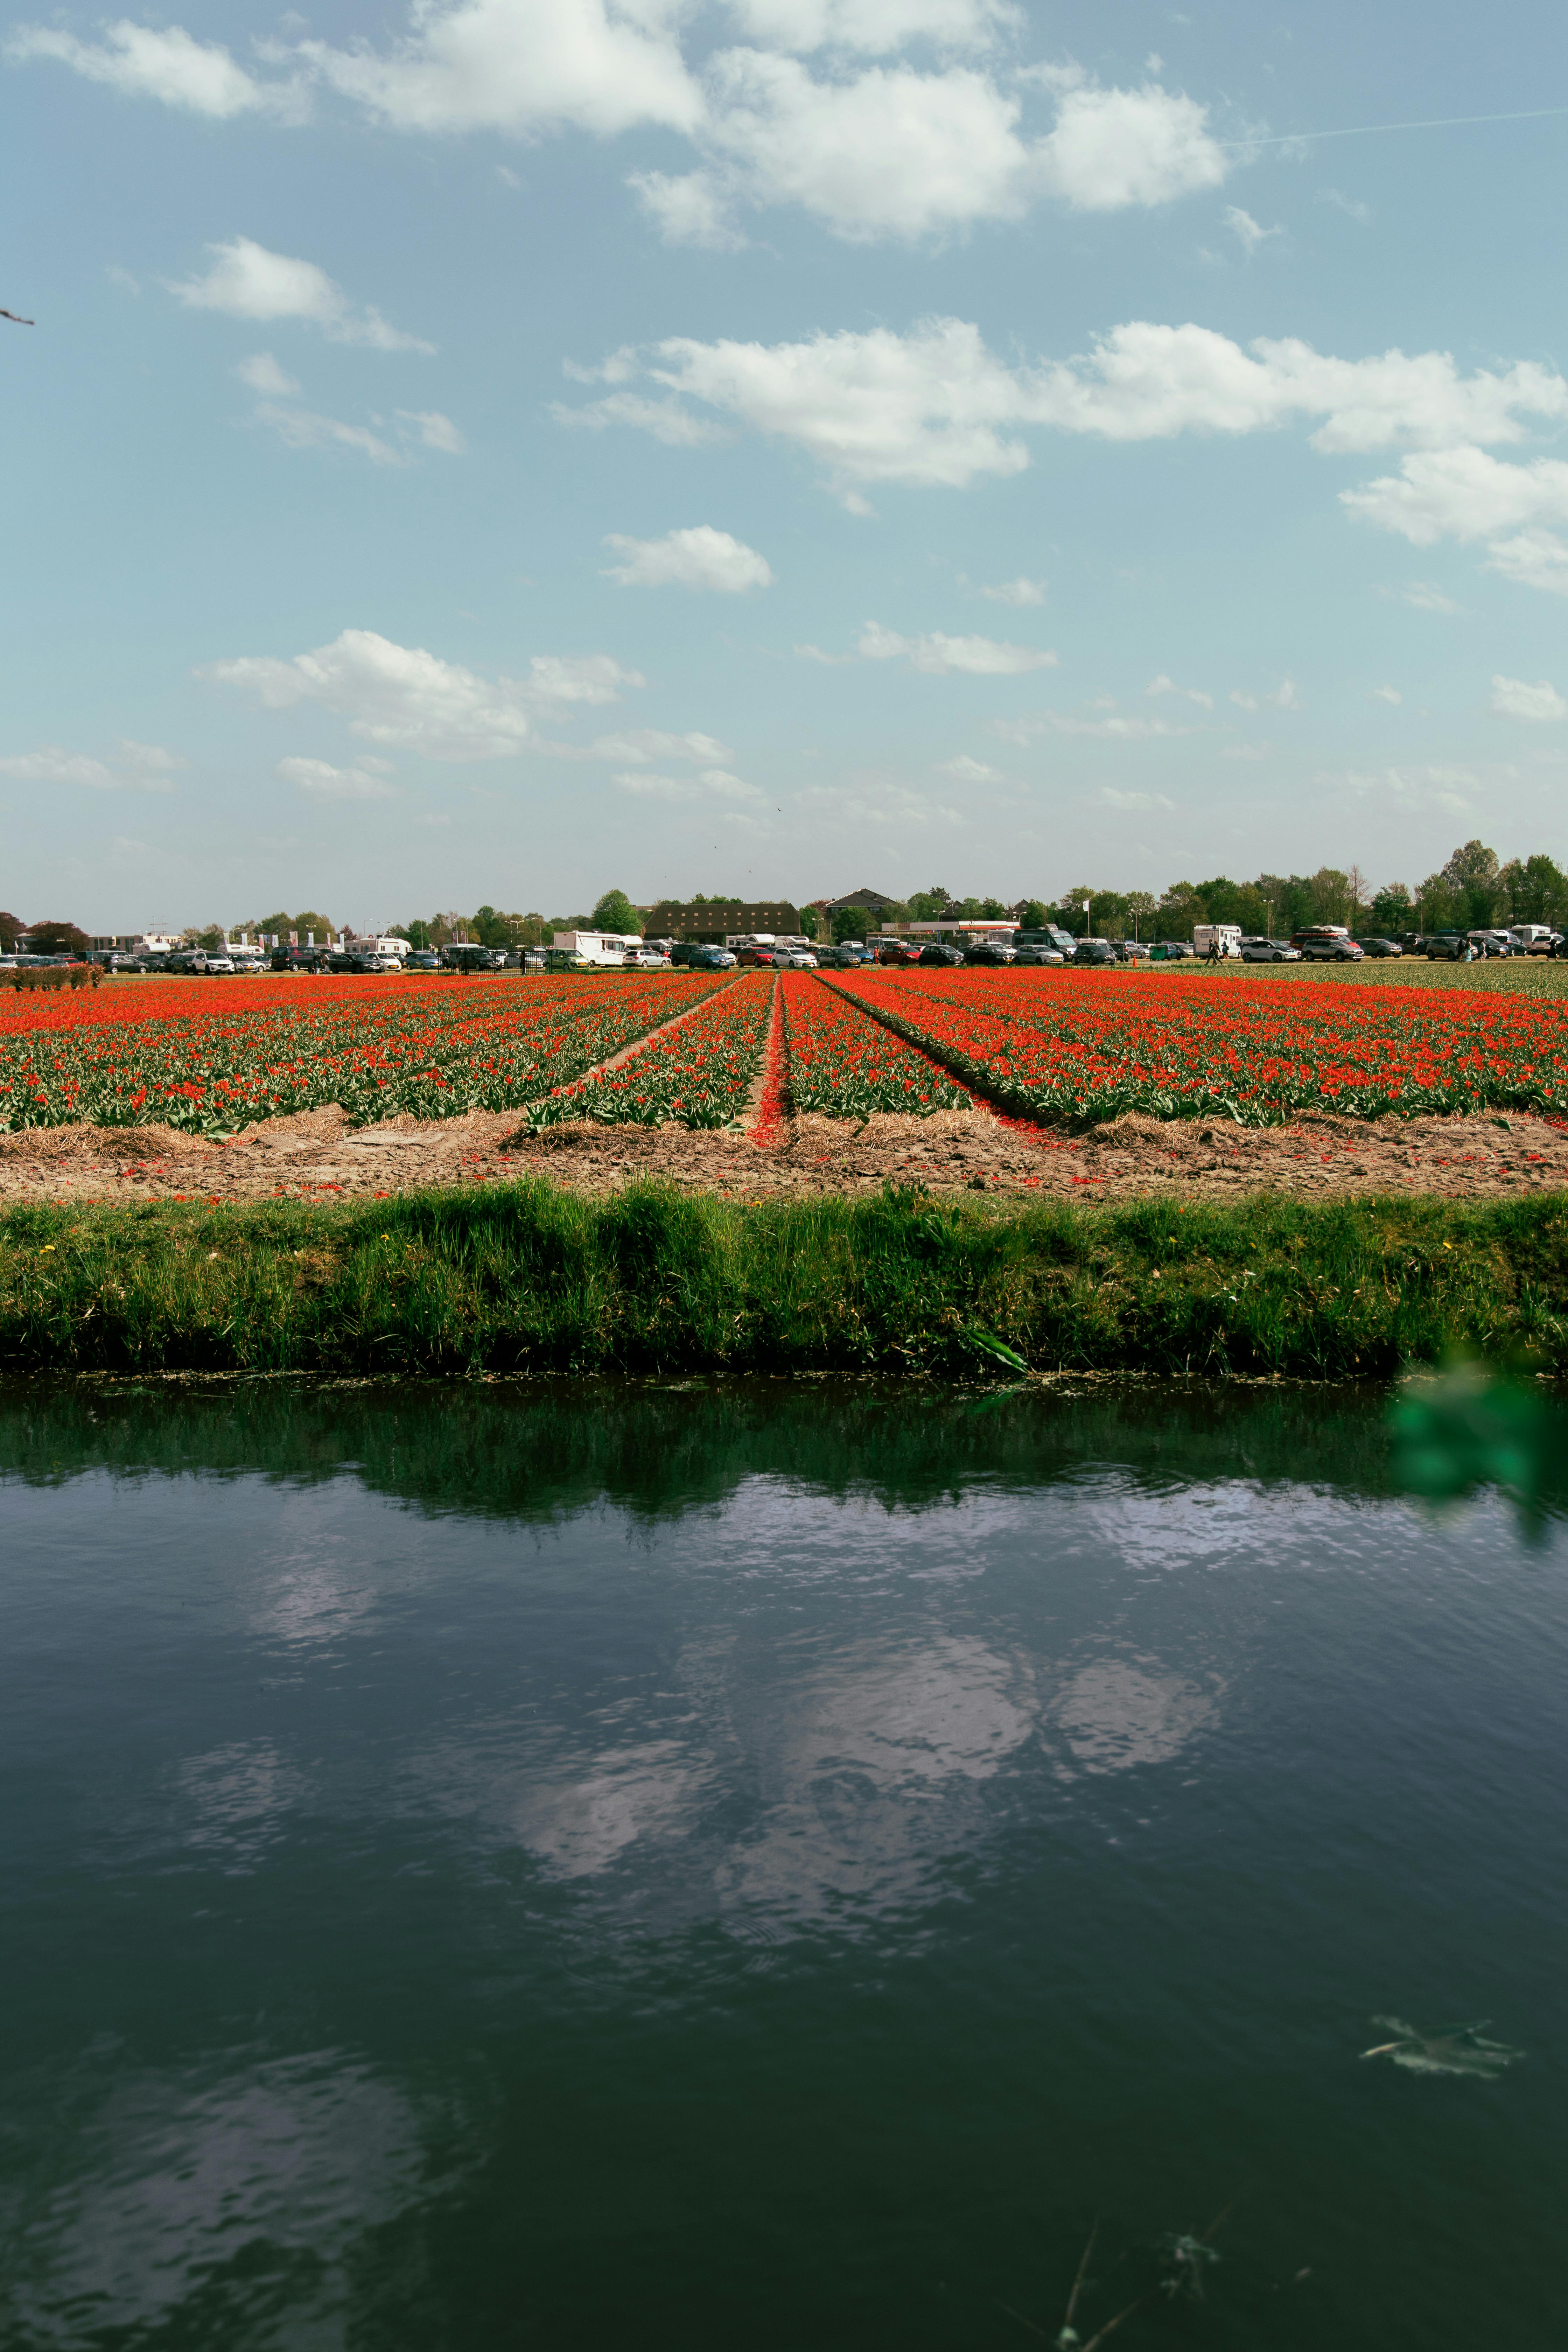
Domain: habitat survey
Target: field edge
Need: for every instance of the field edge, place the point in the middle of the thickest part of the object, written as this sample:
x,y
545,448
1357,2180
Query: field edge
x,y
531,1277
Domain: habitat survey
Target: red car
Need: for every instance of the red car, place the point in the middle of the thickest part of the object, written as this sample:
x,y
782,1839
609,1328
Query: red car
x,y
903,951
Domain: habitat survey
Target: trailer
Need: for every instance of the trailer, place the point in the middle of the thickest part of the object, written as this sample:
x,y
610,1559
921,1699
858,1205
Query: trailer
x,y
1216,938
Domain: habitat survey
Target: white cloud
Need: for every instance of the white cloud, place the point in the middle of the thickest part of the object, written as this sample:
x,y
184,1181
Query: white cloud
x,y
940,657
1248,231
1410,789
142,767
1163,685
1465,493
709,784
935,407
1283,696
1016,592
302,428
873,28
263,374
1351,205
691,208
828,661
1422,596
1109,798
246,281
435,431
884,149
1112,148
1385,694
1247,751
326,782
1513,698
1114,729
639,743
965,770
491,65
404,695
701,557
141,61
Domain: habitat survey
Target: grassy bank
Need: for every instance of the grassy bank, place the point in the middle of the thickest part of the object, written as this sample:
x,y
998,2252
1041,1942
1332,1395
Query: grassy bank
x,y
535,1279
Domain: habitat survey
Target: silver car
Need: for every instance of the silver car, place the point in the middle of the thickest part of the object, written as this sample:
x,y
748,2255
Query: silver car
x,y
800,959
1269,952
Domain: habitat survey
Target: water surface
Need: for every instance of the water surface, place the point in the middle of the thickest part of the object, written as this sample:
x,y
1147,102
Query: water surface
x,y
765,1865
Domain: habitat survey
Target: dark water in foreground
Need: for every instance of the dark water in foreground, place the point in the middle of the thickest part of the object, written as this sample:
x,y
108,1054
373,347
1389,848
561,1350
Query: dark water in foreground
x,y
766,1867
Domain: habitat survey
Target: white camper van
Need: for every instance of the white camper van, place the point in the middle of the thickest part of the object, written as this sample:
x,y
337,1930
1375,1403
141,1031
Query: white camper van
x,y
1224,939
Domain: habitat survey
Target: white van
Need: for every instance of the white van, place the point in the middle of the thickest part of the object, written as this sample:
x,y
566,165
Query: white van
x,y
1223,938
1532,939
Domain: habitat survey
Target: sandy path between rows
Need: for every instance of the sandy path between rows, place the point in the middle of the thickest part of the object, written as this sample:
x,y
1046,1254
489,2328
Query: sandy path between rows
x,y
316,1154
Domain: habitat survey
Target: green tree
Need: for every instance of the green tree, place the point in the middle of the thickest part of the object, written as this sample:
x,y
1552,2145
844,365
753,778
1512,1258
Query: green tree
x,y
928,906
213,940
1392,912
850,923
1036,916
1440,907
55,939
11,929
322,925
1141,908
616,912
809,922
1535,891
1471,874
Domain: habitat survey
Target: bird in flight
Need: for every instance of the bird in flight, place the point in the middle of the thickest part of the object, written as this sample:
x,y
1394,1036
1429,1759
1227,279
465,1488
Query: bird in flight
x,y
15,320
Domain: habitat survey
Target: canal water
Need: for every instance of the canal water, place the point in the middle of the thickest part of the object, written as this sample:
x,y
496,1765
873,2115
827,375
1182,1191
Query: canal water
x,y
771,1866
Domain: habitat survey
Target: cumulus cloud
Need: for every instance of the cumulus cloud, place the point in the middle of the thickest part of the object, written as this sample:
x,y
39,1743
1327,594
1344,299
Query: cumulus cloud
x,y
304,428
1016,592
942,656
870,149
700,557
1109,797
707,784
1513,698
1247,232
403,696
246,281
140,767
433,431
1163,685
165,63
1385,694
1113,726
1465,493
965,770
263,373
325,782
1422,596
1283,696
640,743
935,407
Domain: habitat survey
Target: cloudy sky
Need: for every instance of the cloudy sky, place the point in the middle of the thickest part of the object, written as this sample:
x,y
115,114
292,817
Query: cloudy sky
x,y
494,450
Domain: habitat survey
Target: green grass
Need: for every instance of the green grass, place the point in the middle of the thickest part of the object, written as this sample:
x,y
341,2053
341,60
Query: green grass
x,y
533,1278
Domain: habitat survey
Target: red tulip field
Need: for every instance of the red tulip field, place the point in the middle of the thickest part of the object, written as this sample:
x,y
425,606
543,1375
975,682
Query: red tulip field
x,y
1061,1050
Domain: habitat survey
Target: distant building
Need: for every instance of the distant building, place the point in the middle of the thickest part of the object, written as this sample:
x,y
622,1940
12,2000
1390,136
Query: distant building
x,y
671,920
873,902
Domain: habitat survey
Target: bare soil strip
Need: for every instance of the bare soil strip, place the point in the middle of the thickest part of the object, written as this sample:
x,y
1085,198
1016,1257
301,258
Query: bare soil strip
x,y
317,1153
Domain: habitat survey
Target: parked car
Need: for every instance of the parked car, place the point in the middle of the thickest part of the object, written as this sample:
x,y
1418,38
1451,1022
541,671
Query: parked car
x,y
1492,943
1373,944
1446,947
1413,942
467,955
696,955
422,959
899,951
937,954
1088,951
645,960
1534,939
221,963
188,963
1053,937
1171,951
1327,943
987,951
800,959
348,960
1132,950
759,958
1260,950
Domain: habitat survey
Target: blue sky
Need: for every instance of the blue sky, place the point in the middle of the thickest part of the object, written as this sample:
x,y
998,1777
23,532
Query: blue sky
x,y
513,448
